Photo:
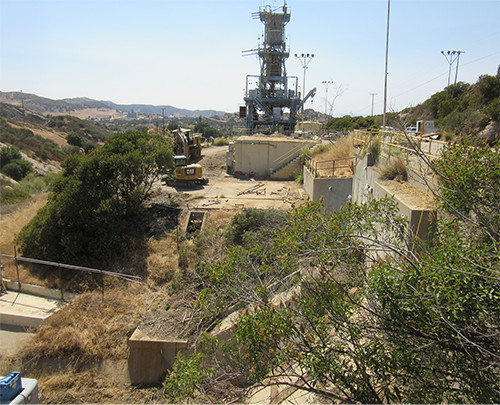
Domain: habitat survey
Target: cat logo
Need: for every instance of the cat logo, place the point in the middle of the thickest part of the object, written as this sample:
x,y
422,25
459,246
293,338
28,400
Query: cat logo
x,y
190,171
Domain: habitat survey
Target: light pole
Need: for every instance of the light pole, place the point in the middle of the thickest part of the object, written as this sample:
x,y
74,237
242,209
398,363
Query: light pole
x,y
304,59
450,58
373,96
327,84
386,62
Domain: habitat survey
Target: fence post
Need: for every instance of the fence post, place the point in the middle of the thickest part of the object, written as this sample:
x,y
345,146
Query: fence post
x,y
17,270
61,287
102,284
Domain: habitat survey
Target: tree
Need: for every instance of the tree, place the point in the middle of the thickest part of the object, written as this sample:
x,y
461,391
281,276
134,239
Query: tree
x,y
375,316
98,200
75,139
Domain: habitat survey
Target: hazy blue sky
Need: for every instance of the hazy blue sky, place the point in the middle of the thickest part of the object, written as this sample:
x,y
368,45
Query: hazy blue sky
x,y
187,53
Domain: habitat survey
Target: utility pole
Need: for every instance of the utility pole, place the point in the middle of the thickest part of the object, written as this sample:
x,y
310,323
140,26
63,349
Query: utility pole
x,y
304,59
386,62
163,121
450,58
458,60
327,84
373,96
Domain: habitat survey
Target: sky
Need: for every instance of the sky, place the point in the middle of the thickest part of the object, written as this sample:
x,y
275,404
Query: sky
x,y
188,53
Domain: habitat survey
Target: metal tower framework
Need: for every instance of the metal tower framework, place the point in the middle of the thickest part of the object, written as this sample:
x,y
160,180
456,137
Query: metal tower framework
x,y
274,102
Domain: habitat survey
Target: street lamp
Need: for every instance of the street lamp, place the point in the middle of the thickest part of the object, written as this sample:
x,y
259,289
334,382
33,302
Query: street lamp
x,y
304,59
327,84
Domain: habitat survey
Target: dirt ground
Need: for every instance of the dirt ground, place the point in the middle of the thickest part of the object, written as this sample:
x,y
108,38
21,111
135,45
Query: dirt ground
x,y
225,191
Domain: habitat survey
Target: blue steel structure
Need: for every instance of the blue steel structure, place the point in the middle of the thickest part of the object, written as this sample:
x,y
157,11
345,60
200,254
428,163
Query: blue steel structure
x,y
274,102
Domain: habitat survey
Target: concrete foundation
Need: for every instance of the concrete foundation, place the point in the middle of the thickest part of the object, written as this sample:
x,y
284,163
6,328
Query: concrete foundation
x,y
150,358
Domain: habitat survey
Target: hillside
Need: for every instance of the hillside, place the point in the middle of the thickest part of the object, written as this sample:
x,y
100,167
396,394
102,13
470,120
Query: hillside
x,y
43,138
83,107
462,108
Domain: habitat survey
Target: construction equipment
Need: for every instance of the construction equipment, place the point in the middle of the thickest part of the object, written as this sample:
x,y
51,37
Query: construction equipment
x,y
187,143
188,175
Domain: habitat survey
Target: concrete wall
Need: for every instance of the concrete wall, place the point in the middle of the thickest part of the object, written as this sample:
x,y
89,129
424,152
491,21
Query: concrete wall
x,y
336,191
38,290
149,358
260,154
363,181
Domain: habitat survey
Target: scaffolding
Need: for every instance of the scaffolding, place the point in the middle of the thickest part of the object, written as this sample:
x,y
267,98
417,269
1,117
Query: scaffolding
x,y
274,101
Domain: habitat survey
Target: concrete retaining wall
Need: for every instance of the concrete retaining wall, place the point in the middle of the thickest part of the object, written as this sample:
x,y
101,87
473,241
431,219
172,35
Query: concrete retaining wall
x,y
336,191
38,290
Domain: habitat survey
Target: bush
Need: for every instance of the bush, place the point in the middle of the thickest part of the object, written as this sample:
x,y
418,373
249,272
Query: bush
x,y
96,203
254,224
221,141
394,169
8,154
33,183
9,195
17,169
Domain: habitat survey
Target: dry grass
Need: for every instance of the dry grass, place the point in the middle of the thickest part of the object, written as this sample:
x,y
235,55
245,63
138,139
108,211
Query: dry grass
x,y
161,262
90,328
10,225
91,386
394,169
341,149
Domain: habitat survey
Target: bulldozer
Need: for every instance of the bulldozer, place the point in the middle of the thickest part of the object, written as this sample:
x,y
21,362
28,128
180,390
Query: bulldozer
x,y
188,175
187,143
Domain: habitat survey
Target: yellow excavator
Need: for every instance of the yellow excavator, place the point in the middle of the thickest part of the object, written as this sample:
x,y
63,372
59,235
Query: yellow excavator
x,y
187,143
188,175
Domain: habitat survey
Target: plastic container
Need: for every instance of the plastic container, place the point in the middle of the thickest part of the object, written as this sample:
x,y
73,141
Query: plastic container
x,y
10,387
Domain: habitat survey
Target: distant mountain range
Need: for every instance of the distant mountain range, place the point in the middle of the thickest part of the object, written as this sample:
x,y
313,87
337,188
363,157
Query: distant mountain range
x,y
44,105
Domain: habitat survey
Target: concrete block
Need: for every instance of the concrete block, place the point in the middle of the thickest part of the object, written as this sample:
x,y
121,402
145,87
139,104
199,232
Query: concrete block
x,y
150,358
416,206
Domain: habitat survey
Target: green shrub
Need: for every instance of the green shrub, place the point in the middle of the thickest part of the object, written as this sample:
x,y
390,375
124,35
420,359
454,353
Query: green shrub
x,y
221,141
17,169
33,183
8,154
9,195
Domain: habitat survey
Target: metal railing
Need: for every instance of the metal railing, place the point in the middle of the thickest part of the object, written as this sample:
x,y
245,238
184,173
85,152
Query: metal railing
x,y
327,168
127,277
397,140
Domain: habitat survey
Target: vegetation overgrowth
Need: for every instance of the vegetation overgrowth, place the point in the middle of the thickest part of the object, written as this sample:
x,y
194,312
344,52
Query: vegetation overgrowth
x,y
373,314
25,140
97,201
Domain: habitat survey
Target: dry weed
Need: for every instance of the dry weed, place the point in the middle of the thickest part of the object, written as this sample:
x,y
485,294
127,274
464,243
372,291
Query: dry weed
x,y
162,260
11,224
394,169
92,387
90,328
342,148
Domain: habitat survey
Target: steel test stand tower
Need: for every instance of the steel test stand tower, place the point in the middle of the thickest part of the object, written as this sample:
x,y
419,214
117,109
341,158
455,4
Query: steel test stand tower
x,y
274,103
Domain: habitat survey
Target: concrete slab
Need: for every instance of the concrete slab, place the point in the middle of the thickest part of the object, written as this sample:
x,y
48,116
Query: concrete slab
x,y
19,309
